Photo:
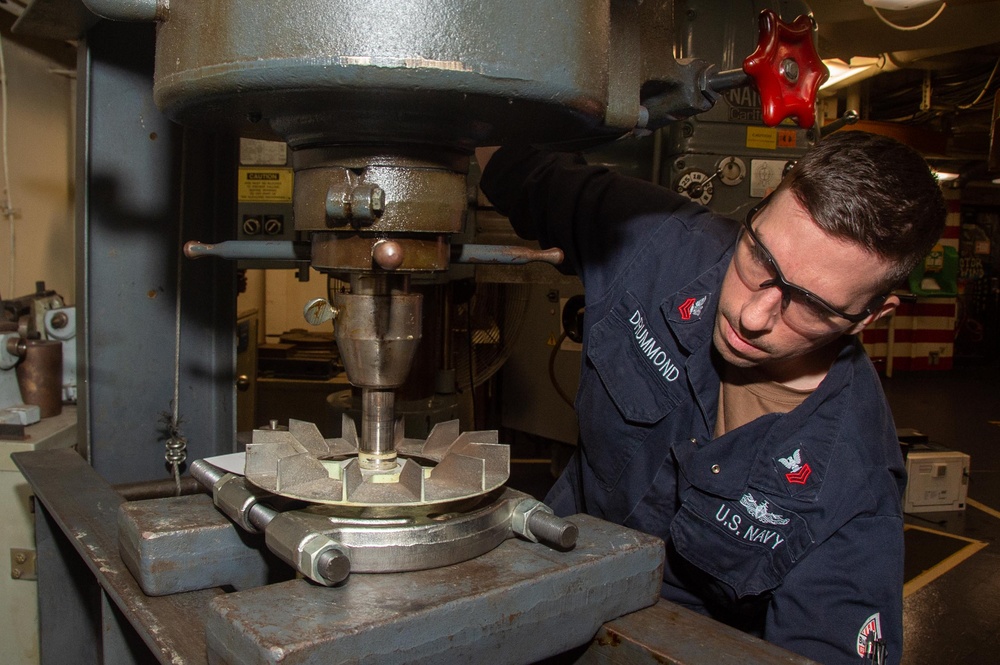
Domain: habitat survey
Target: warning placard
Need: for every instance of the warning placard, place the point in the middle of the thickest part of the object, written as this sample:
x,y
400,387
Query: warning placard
x,y
763,138
265,185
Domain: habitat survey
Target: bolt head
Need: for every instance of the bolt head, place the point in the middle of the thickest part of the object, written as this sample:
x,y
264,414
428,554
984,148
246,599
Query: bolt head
x,y
309,552
377,199
522,513
790,70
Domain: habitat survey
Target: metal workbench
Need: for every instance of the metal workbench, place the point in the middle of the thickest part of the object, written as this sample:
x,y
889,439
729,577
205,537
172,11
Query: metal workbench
x,y
90,606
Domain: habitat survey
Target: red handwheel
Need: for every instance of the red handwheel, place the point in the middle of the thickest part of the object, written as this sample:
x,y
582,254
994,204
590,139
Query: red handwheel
x,y
786,69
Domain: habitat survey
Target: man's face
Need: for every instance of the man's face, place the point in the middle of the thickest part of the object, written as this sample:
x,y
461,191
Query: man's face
x,y
753,329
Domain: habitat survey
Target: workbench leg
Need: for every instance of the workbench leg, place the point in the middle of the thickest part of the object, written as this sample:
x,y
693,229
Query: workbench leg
x,y
68,598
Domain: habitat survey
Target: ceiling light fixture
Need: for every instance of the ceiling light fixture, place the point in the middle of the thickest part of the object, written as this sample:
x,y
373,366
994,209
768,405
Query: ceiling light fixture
x,y
843,74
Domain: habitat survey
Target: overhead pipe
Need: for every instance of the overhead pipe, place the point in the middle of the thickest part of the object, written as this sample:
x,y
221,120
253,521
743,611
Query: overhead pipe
x,y
882,64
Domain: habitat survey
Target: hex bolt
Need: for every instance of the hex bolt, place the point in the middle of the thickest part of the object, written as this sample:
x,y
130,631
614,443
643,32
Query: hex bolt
x,y
334,565
790,70
552,530
360,204
367,201
338,203
534,520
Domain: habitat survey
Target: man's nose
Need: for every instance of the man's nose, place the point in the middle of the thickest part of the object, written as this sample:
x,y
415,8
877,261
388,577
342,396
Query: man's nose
x,y
761,310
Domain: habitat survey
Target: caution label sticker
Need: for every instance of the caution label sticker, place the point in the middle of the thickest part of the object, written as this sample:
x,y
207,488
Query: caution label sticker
x,y
265,185
763,138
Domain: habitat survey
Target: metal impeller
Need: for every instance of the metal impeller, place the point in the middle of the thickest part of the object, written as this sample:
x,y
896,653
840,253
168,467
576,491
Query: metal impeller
x,y
449,466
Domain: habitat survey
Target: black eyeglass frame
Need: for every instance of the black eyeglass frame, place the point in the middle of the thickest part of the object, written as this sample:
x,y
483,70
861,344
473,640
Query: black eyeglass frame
x,y
787,287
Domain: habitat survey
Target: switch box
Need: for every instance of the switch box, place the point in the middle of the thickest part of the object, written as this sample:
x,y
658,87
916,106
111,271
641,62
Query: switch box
x,y
937,480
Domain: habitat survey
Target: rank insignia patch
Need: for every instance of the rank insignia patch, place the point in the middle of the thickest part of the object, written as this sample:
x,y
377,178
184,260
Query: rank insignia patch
x,y
692,308
798,472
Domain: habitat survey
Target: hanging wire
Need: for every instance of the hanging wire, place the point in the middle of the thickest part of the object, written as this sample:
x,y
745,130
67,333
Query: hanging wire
x,y
986,87
8,205
907,28
176,443
951,92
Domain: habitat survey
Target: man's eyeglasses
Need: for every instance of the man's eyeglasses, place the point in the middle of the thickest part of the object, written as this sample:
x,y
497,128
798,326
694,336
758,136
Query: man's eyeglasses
x,y
800,307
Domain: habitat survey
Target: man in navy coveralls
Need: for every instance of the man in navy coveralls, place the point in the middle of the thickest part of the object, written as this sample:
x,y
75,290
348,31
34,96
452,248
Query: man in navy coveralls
x,y
726,404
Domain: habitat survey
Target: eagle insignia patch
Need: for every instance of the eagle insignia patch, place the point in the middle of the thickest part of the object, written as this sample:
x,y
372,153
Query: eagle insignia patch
x,y
798,472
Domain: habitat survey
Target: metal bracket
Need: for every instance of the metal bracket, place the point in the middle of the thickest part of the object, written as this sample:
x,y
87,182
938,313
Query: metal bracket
x,y
22,564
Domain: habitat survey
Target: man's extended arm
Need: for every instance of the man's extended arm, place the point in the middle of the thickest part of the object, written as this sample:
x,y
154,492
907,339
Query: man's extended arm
x,y
844,595
590,212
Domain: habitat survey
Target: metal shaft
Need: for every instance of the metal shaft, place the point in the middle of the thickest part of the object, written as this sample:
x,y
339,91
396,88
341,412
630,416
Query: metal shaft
x,y
260,516
377,449
277,250
553,530
205,473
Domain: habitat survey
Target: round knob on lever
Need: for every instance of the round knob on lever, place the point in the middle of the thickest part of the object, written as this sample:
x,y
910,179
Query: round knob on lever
x,y
318,311
388,254
786,69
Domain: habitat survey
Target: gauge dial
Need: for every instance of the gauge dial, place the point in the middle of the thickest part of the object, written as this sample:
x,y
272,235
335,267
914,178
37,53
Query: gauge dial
x,y
695,185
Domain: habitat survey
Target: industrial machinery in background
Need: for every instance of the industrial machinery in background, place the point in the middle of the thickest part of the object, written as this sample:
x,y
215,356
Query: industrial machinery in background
x,y
734,154
727,158
381,104
37,359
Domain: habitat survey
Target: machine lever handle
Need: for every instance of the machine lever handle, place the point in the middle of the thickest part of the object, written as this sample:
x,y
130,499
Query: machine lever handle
x,y
849,118
505,254
286,250
269,250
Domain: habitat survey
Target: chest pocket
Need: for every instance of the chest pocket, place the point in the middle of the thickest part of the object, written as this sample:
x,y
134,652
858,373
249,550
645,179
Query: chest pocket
x,y
749,543
640,381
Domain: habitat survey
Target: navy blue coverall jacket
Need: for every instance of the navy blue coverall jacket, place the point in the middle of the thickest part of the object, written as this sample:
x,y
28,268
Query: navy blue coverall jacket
x,y
789,527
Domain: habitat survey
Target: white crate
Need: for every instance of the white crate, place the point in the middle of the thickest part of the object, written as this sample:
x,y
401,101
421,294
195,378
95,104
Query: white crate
x,y
937,480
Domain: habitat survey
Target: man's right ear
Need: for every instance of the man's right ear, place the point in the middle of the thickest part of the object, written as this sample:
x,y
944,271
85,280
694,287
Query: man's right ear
x,y
885,309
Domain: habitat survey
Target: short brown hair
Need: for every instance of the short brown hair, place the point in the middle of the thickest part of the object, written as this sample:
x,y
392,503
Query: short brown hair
x,y
875,191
